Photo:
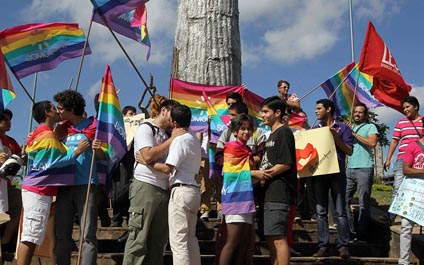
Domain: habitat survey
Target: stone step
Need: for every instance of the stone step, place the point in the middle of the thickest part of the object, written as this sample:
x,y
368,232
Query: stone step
x,y
116,259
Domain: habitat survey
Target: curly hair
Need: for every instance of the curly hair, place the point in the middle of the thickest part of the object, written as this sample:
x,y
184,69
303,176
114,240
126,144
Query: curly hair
x,y
71,101
155,108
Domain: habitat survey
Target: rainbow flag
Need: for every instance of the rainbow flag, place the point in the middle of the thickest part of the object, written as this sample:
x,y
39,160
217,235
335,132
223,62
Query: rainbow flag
x,y
204,100
39,47
121,25
50,162
341,86
7,94
140,19
237,189
110,9
110,123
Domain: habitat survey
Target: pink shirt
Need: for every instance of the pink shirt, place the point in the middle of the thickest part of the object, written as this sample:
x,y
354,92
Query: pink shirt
x,y
406,131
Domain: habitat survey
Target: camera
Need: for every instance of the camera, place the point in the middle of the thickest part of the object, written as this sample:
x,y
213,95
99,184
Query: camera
x,y
11,167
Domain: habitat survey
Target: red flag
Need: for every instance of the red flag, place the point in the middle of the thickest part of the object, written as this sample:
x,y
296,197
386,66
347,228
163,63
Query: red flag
x,y
376,59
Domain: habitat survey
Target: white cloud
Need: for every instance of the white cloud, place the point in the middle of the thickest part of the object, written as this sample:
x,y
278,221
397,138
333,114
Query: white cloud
x,y
293,31
388,115
285,31
161,25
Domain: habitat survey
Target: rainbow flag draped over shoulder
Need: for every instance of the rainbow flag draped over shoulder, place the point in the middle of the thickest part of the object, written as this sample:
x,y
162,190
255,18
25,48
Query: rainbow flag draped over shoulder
x,y
237,189
110,9
7,94
341,86
39,47
50,162
110,123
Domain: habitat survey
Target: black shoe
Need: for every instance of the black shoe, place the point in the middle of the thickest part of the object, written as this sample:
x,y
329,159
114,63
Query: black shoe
x,y
344,253
322,252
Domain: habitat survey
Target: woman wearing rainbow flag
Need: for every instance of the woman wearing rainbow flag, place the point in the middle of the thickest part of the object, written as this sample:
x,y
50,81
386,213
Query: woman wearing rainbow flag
x,y
238,204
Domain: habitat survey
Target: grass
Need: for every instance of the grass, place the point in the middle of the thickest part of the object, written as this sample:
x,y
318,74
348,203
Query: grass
x,y
381,195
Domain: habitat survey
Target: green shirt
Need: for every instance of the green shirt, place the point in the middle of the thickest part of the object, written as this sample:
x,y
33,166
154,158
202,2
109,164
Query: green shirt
x,y
362,154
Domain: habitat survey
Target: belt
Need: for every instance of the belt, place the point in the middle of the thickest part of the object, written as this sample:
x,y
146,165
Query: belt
x,y
184,185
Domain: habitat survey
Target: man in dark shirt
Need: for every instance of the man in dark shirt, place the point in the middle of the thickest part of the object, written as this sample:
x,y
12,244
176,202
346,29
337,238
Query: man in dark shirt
x,y
279,165
333,183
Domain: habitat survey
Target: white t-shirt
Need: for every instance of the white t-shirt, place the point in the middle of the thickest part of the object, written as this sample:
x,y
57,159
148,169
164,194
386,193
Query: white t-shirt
x,y
4,201
144,137
184,155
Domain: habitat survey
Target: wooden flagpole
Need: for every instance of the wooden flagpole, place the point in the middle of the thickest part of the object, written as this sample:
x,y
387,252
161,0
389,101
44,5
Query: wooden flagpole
x,y
34,89
128,57
83,53
83,219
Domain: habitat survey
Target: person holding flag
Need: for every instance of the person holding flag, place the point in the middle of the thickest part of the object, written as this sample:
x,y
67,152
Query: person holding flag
x,y
75,127
41,182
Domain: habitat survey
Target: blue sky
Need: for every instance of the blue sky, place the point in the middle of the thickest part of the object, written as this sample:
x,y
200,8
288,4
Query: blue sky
x,y
302,41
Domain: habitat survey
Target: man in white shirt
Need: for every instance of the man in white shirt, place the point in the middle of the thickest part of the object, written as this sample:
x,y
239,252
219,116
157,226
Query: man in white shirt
x,y
182,164
148,223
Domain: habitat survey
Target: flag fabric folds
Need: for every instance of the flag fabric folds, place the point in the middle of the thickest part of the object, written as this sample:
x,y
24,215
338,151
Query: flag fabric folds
x,y
208,100
110,9
7,93
110,123
39,47
50,162
340,88
140,19
131,23
121,25
237,190
376,60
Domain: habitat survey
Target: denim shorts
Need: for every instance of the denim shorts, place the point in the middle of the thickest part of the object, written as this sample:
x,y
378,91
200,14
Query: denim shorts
x,y
36,216
276,218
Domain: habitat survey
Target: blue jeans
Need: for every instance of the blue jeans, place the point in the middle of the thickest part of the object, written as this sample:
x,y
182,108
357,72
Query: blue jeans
x,y
398,171
336,185
359,180
71,199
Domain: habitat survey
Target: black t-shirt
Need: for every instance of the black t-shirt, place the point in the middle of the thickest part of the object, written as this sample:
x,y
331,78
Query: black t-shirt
x,y
280,149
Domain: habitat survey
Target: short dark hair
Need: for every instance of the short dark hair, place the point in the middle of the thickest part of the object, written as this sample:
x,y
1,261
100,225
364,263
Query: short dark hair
x,y
282,82
168,104
275,103
181,114
128,108
413,101
239,107
39,109
6,112
238,120
71,100
326,103
234,95
360,104
96,102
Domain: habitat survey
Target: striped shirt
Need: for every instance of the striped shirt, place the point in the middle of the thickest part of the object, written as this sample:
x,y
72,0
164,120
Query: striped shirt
x,y
407,131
